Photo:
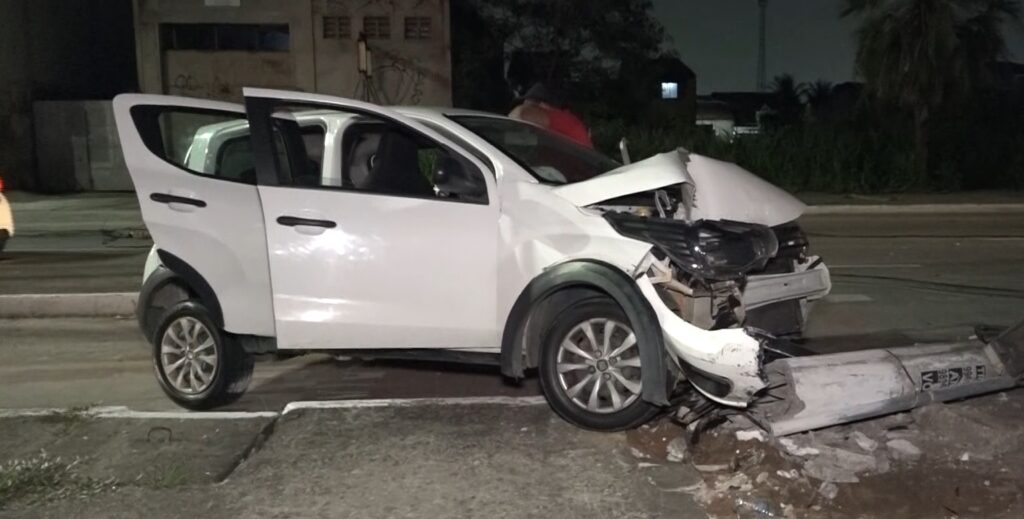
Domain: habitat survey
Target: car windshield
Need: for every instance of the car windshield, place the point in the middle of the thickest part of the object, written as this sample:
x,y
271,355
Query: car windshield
x,y
549,157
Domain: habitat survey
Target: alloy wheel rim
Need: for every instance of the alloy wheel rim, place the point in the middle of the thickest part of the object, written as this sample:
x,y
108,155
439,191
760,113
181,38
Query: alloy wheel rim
x,y
598,366
188,355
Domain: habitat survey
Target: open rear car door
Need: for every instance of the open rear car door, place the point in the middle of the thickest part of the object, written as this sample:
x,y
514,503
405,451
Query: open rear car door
x,y
192,166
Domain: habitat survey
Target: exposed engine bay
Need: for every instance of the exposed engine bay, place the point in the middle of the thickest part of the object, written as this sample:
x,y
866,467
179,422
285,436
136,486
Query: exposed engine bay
x,y
702,268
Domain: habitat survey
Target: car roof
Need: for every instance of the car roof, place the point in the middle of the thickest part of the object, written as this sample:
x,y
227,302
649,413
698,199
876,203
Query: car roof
x,y
435,111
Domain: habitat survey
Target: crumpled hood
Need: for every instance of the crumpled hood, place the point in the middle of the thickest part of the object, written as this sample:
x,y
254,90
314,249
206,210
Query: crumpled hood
x,y
723,190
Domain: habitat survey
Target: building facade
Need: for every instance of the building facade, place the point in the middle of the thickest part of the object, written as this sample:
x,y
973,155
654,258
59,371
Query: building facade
x,y
213,48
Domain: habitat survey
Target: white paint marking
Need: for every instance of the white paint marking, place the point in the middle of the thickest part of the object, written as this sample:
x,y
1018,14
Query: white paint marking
x,y
124,412
848,298
410,402
878,266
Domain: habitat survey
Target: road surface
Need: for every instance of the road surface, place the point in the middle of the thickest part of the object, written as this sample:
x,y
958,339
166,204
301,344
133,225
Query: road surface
x,y
897,278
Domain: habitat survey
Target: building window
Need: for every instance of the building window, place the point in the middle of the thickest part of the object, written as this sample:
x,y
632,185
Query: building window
x,y
337,27
670,90
377,27
225,36
417,28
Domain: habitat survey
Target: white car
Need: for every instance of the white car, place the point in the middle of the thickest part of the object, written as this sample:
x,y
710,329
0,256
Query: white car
x,y
6,219
302,222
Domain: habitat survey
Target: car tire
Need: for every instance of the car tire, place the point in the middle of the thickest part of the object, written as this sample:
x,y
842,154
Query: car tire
x,y
4,235
197,365
569,374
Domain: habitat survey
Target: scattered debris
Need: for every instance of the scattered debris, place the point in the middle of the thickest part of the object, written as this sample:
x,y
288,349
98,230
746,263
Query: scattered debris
x,y
796,450
756,507
864,442
677,451
750,434
870,462
638,454
903,450
828,490
839,465
710,468
788,474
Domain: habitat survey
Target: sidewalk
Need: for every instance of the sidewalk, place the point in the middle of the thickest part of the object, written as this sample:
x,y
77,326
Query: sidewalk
x,y
913,203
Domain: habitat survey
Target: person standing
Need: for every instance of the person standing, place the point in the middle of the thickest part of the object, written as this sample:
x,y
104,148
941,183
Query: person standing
x,y
542,107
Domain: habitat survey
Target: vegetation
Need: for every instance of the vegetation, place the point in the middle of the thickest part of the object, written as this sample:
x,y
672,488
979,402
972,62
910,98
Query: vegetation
x,y
929,116
43,478
923,54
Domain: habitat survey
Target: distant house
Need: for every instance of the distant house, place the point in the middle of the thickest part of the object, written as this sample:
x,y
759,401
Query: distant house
x,y
659,88
715,115
750,111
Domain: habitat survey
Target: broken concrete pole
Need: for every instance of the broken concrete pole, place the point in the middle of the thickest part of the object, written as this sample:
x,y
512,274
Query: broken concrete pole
x,y
821,390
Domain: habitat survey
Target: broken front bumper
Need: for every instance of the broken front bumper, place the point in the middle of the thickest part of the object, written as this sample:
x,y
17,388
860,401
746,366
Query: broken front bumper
x,y
724,365
806,283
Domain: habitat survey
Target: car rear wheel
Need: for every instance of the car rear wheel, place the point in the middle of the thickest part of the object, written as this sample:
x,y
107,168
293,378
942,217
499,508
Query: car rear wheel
x,y
197,366
590,368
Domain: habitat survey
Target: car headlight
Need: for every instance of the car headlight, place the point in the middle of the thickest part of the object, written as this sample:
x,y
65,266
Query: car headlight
x,y
709,249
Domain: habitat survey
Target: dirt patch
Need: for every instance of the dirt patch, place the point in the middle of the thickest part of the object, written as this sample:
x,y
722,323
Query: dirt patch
x,y
73,455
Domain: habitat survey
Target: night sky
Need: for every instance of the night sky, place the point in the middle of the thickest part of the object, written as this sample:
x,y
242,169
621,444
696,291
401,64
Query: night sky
x,y
806,38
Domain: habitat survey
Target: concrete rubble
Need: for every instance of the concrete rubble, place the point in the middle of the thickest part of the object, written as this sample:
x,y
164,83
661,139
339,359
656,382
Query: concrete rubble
x,y
954,460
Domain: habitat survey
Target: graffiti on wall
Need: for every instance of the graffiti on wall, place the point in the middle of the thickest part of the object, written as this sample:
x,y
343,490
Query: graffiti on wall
x,y
215,88
398,81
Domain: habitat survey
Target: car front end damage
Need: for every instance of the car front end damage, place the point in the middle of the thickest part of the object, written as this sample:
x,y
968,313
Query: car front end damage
x,y
702,278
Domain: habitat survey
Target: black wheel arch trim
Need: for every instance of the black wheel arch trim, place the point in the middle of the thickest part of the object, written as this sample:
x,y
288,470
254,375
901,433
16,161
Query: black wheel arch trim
x,y
621,288
174,268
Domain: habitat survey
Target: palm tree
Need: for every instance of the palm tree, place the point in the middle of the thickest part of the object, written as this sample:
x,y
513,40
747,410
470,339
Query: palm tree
x,y
919,54
817,95
787,93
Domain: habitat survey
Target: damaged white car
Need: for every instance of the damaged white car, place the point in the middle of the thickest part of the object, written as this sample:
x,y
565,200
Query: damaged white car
x,y
303,222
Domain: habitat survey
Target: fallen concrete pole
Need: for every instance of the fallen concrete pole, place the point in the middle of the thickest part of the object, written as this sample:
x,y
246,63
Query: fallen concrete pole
x,y
821,390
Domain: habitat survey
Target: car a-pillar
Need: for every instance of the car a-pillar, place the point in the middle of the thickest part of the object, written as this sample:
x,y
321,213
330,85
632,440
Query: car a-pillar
x,y
579,294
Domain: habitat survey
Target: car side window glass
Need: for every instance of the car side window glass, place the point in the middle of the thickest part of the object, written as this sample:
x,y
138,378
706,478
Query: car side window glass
x,y
375,156
479,155
204,142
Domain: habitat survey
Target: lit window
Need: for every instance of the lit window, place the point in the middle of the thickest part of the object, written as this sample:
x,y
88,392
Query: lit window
x,y
670,90
337,27
377,27
417,28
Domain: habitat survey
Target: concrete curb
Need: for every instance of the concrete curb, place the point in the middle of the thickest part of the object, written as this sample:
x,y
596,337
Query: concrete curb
x,y
913,209
68,305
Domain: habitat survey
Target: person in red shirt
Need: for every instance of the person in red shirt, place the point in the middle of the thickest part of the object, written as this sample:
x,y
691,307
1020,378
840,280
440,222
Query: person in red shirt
x,y
541,107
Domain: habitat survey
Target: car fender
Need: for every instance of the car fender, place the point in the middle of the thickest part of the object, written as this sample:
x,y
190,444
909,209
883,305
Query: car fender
x,y
610,280
173,270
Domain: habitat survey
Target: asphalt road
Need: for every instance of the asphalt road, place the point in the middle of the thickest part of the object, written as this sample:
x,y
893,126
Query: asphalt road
x,y
897,279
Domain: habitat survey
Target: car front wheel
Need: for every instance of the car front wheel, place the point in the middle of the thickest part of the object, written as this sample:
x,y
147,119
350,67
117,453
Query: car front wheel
x,y
590,368
197,366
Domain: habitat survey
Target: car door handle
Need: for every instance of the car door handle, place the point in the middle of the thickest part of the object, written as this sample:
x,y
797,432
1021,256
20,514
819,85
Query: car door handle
x,y
165,198
295,221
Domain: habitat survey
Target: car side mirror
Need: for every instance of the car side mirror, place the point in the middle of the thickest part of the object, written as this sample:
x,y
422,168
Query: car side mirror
x,y
453,180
